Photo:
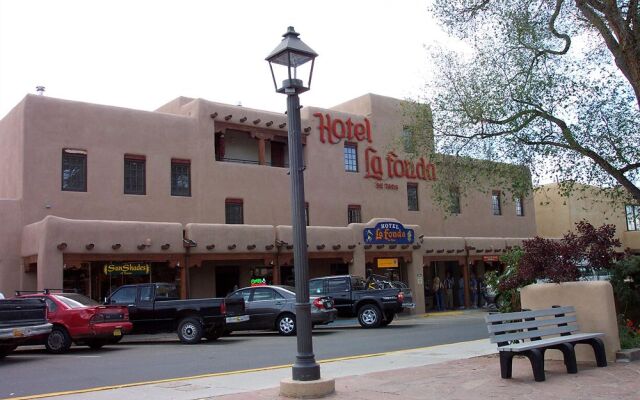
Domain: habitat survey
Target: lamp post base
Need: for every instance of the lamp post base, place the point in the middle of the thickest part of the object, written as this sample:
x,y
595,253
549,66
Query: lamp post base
x,y
307,389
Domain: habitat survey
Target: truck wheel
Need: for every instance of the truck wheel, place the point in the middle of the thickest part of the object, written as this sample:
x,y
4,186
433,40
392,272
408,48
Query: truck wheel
x,y
190,330
286,324
58,341
388,318
369,316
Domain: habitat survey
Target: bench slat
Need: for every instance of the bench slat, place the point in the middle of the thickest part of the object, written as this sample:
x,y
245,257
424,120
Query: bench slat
x,y
518,347
517,326
532,334
547,312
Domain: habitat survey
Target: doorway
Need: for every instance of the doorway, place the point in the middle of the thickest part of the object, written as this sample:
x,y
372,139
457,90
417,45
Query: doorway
x,y
227,278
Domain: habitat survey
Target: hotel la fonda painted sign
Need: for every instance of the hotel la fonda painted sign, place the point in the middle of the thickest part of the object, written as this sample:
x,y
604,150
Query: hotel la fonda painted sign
x,y
389,233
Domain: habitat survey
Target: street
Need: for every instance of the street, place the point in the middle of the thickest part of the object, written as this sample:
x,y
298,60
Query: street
x,y
32,371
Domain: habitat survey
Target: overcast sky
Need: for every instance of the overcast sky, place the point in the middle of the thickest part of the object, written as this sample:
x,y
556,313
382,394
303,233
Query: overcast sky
x,y
142,54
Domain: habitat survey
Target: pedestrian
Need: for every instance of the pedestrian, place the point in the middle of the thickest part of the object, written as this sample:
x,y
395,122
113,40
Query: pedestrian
x,y
448,291
461,292
437,293
473,285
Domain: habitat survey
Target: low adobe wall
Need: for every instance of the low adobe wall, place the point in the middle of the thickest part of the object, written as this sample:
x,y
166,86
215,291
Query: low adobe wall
x,y
595,311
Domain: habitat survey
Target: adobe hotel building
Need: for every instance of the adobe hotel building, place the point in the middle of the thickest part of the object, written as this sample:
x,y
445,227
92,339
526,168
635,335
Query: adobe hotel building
x,y
198,193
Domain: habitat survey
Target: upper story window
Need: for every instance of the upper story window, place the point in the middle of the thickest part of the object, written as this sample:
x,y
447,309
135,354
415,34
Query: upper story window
x,y
234,211
180,177
306,213
496,204
354,214
454,201
134,174
408,140
633,217
74,170
412,196
350,157
519,206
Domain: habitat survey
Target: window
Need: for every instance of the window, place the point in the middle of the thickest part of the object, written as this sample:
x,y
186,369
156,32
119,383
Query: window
x,y
519,206
261,294
234,211
134,174
454,200
306,213
241,294
74,170
316,287
354,215
412,196
146,293
180,177
408,140
633,217
338,285
126,295
350,157
495,203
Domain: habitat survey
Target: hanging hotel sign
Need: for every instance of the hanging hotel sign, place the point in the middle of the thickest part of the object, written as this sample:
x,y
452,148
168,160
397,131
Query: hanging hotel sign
x,y
490,258
127,268
378,167
388,233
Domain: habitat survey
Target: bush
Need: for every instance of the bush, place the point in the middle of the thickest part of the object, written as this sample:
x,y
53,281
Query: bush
x,y
625,279
629,333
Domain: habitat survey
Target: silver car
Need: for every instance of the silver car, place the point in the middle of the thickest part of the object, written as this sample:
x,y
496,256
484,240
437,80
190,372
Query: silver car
x,y
273,308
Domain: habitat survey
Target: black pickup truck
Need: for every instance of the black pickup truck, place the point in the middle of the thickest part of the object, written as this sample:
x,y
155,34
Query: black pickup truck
x,y
156,307
375,301
20,321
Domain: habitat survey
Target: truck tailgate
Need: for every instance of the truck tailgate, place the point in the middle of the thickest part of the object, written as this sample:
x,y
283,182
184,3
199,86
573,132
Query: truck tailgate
x,y
234,306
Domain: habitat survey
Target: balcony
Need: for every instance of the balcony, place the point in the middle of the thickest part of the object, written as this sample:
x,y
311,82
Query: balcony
x,y
237,146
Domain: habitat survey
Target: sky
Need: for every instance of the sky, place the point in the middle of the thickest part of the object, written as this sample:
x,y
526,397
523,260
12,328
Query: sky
x,y
142,54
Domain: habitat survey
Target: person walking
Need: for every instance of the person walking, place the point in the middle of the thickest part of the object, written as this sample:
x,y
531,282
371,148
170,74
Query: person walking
x,y
448,291
473,285
461,292
437,293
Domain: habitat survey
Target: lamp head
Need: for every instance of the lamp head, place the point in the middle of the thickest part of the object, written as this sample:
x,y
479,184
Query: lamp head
x,y
289,64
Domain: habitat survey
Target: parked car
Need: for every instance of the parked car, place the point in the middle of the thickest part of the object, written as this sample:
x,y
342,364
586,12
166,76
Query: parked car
x,y
375,301
21,320
78,319
156,307
273,308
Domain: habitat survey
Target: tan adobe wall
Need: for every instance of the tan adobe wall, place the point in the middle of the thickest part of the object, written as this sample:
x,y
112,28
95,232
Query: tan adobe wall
x,y
557,215
11,231
12,153
595,311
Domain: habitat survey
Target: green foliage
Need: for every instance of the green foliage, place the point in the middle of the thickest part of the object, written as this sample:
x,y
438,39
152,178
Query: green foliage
x,y
625,279
507,299
629,333
541,84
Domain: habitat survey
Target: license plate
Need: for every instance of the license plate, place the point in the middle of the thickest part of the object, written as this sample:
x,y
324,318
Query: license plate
x,y
117,332
18,333
239,318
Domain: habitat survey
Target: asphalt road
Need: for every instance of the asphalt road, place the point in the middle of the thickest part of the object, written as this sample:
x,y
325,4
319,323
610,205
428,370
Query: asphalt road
x,y
31,371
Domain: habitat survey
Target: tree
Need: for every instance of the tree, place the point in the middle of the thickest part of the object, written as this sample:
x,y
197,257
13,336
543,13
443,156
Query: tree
x,y
552,86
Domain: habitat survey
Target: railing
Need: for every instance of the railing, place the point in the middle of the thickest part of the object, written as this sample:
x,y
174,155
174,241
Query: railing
x,y
252,162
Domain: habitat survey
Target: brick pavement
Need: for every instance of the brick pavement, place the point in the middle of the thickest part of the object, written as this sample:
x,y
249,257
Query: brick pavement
x,y
479,378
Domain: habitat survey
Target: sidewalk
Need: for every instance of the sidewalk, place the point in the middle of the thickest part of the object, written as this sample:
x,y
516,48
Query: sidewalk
x,y
467,370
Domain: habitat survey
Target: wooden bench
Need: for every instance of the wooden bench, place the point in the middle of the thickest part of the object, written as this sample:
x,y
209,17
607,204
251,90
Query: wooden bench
x,y
531,333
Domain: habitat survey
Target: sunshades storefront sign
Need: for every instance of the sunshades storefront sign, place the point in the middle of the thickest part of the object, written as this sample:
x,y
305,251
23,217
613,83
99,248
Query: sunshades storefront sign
x,y
130,268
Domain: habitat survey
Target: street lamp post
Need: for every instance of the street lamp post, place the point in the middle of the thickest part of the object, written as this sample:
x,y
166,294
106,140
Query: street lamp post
x,y
291,61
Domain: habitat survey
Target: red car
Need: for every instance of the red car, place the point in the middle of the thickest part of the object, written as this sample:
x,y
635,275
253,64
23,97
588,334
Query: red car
x,y
81,320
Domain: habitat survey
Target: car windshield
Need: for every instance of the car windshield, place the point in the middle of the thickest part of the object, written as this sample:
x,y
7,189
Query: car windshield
x,y
74,300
